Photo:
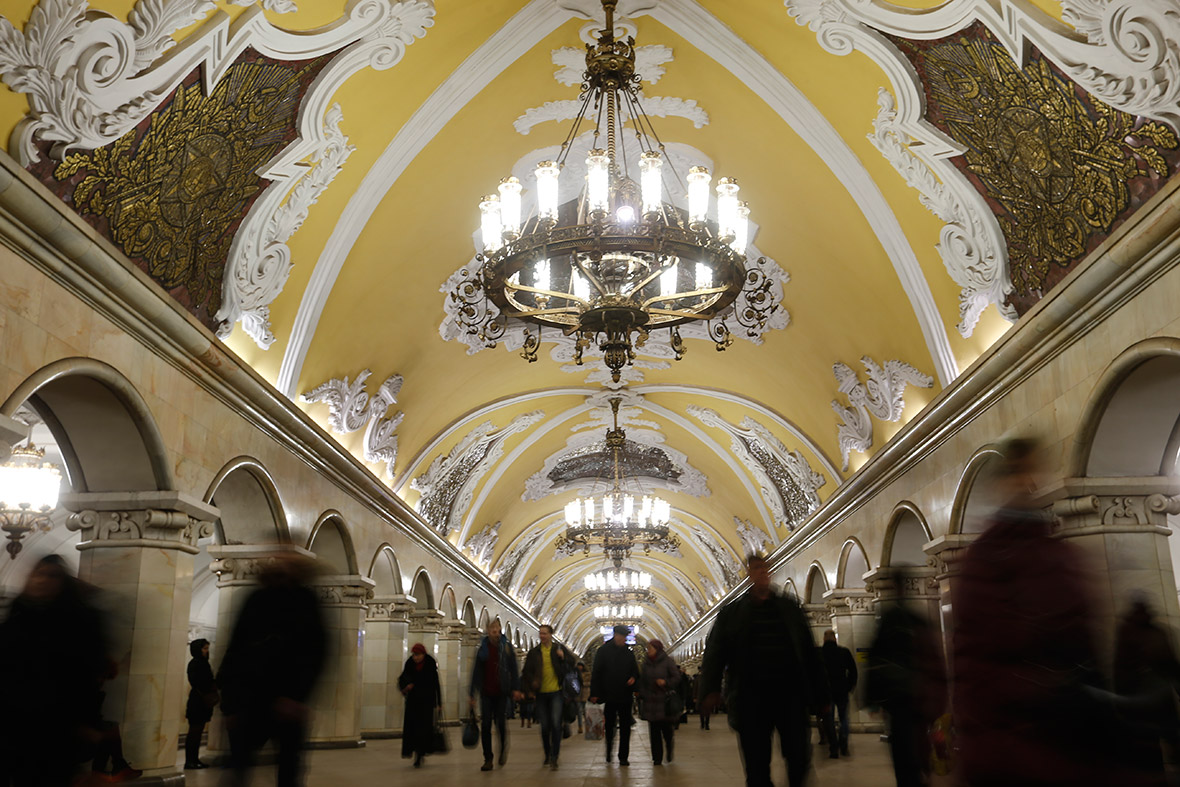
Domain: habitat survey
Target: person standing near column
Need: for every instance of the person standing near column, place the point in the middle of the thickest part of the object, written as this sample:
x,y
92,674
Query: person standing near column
x,y
202,697
775,674
612,682
660,677
841,671
544,672
495,681
420,685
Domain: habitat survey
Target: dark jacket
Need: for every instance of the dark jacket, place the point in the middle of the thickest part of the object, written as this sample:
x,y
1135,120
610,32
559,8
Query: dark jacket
x,y
509,670
530,676
840,668
651,696
804,683
202,695
426,695
613,665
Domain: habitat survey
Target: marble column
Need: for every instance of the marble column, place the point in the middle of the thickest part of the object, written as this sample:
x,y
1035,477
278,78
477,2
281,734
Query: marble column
x,y
915,587
855,625
943,555
138,548
450,639
472,636
387,623
819,619
336,701
425,625
1121,527
237,567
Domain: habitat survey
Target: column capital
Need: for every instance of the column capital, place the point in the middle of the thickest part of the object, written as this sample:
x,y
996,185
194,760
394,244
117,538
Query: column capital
x,y
240,564
451,628
472,635
157,519
426,621
1128,510
12,434
902,582
395,609
818,614
343,590
944,553
849,601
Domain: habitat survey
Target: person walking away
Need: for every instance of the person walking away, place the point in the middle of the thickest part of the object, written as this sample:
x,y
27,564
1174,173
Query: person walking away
x,y
202,697
840,668
906,679
419,685
659,678
612,682
702,711
275,655
762,642
685,691
496,682
544,672
1146,674
583,694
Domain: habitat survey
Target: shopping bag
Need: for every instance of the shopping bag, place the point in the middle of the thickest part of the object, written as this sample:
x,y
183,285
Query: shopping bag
x,y
470,732
595,722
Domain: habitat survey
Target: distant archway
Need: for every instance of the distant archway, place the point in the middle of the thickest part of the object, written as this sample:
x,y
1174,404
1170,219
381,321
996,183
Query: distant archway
x,y
976,496
422,591
332,544
853,565
817,584
905,536
385,572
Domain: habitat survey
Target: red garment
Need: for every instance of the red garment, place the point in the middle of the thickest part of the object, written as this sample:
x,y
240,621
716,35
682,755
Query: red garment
x,y
491,671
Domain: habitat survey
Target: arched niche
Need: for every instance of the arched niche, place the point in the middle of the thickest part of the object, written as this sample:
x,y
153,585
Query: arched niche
x,y
854,564
251,512
447,604
107,436
385,572
905,536
469,612
1130,427
977,495
817,584
332,544
789,589
423,591
485,619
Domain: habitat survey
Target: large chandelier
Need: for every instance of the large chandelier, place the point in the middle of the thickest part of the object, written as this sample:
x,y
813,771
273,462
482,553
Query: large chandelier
x,y
625,614
618,586
618,520
28,494
620,261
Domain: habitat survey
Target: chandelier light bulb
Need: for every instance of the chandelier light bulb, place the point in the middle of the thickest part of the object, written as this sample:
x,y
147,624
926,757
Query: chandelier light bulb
x,y
510,206
668,280
580,286
651,181
704,276
490,224
608,509
741,235
628,507
572,513
625,214
547,174
727,207
589,510
698,194
541,275
598,181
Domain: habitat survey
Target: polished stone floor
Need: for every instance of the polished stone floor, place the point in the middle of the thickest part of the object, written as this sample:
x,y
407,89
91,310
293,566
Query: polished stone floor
x,y
702,758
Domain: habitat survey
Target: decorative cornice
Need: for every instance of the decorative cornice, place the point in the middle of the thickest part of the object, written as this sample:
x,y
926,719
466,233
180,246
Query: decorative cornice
x,y
164,520
350,407
883,395
241,564
348,591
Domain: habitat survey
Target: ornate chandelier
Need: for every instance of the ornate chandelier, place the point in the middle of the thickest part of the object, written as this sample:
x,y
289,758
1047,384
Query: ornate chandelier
x,y
617,520
28,494
625,614
618,586
620,261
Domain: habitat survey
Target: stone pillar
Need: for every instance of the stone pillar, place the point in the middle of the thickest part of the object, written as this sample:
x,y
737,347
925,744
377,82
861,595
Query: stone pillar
x,y
1120,525
424,627
138,548
472,636
819,618
387,623
336,701
943,555
916,587
450,640
852,618
237,567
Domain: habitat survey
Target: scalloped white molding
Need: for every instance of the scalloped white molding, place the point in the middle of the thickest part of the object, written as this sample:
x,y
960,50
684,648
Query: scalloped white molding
x,y
806,480
456,474
690,21
754,539
720,554
482,545
649,62
654,106
350,407
90,78
1129,58
260,260
882,395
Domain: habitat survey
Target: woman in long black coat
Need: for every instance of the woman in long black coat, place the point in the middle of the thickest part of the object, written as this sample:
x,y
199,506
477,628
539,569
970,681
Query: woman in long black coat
x,y
202,696
419,684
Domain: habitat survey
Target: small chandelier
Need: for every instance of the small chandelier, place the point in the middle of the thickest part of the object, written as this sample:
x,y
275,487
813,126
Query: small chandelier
x,y
620,261
28,494
618,586
625,614
617,520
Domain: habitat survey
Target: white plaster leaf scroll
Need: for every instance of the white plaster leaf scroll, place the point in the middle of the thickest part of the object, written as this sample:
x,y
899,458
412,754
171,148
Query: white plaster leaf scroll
x,y
260,260
712,592
971,243
525,594
754,539
278,6
655,106
882,395
154,22
649,63
482,545
350,408
788,483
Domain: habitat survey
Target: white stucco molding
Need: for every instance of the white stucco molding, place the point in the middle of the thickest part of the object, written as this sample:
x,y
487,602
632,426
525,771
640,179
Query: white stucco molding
x,y
1128,56
350,408
882,395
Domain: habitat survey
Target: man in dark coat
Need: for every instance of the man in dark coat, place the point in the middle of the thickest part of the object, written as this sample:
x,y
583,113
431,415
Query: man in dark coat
x,y
202,696
774,676
840,668
545,668
419,684
495,680
275,655
612,681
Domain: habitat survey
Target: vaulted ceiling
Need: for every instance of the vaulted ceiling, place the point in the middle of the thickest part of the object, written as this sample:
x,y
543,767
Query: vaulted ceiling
x,y
744,444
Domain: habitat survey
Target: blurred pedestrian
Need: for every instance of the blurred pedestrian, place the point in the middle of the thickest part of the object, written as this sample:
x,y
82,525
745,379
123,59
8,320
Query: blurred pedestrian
x,y
763,644
1146,675
495,681
202,697
840,668
659,678
420,686
612,682
543,676
906,679
1024,659
275,654
583,693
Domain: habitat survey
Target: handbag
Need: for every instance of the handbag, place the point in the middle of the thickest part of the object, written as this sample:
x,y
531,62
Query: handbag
x,y
569,713
571,686
673,705
470,732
